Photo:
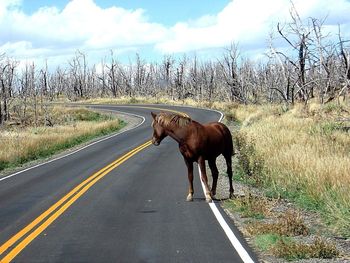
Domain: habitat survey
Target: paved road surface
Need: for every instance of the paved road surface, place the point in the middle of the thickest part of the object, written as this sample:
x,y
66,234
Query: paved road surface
x,y
133,212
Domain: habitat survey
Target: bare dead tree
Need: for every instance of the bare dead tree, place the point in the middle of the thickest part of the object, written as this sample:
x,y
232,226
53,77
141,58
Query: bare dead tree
x,y
78,71
113,79
312,56
126,73
301,46
208,76
248,79
140,75
345,58
229,72
166,74
195,81
180,78
7,73
57,83
102,77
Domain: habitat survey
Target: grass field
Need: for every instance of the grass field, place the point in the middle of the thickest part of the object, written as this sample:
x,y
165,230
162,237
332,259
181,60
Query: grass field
x,y
69,127
300,153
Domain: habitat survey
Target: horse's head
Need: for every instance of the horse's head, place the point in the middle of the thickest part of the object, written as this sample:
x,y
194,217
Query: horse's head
x,y
159,132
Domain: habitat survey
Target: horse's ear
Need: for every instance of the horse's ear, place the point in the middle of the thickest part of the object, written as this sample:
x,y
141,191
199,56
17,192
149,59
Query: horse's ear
x,y
153,115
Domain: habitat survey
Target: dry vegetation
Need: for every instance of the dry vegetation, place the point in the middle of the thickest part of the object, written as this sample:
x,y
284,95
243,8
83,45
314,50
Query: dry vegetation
x,y
301,153
279,230
67,127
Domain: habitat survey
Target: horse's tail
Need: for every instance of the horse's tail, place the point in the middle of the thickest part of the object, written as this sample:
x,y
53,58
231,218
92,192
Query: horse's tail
x,y
232,146
229,141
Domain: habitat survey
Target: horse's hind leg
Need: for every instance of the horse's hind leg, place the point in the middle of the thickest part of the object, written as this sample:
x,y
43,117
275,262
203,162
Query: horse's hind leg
x,y
215,175
228,158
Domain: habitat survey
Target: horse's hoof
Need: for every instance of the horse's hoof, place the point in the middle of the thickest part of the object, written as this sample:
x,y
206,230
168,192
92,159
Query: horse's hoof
x,y
232,196
208,199
189,198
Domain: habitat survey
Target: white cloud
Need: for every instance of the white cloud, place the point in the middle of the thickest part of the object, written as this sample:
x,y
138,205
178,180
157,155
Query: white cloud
x,y
5,4
239,21
248,22
82,24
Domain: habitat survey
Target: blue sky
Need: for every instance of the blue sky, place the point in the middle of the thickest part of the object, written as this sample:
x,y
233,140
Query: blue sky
x,y
167,12
40,30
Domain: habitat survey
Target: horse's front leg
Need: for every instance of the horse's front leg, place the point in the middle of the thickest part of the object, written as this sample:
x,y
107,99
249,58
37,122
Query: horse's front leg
x,y
189,165
204,178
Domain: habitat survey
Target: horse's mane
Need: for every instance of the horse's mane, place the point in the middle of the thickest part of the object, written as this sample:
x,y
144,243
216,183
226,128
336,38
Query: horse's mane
x,y
167,119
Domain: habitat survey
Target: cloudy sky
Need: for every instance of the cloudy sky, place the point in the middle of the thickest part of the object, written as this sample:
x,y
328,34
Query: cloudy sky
x,y
54,30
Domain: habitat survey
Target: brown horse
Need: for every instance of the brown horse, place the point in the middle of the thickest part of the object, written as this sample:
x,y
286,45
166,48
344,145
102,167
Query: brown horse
x,y
197,143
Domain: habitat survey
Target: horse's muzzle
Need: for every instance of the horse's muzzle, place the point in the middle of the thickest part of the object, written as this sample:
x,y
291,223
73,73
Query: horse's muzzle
x,y
155,142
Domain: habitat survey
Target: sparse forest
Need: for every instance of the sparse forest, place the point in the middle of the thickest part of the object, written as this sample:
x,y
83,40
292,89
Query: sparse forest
x,y
315,65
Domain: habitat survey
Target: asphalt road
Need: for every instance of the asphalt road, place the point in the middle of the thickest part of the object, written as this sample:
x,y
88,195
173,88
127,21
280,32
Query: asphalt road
x,y
133,212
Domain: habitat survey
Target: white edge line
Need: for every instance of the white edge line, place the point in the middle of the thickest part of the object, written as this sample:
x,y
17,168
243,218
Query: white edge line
x,y
242,252
80,149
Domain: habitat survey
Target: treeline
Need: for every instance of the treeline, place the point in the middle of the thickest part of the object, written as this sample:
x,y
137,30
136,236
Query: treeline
x,y
315,66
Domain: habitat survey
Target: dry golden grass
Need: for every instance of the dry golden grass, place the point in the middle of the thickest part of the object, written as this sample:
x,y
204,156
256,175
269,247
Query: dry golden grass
x,y
290,223
131,100
18,142
306,152
71,127
319,248
250,206
153,100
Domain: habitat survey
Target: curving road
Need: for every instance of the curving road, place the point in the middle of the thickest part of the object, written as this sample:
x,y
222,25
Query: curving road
x,y
118,200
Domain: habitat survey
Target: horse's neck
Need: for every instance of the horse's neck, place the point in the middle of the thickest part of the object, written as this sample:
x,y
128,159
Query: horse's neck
x,y
177,133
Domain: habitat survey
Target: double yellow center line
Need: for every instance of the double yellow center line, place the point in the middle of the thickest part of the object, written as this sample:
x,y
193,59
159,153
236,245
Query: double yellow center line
x,y
28,233
20,240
